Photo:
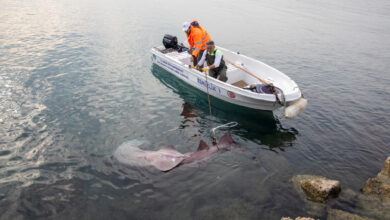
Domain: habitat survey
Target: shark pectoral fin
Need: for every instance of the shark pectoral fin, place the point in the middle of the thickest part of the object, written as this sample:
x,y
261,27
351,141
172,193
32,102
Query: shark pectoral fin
x,y
166,162
202,145
166,158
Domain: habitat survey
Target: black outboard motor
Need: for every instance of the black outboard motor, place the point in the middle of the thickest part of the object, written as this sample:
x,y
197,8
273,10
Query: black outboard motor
x,y
170,41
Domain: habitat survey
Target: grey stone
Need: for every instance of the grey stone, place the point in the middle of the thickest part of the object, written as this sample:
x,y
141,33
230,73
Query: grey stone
x,y
320,189
312,208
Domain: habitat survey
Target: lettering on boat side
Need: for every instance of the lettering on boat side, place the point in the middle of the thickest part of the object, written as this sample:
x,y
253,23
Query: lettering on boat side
x,y
171,67
231,94
211,86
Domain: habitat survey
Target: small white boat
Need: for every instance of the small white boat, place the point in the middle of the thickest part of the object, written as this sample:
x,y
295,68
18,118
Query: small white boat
x,y
243,73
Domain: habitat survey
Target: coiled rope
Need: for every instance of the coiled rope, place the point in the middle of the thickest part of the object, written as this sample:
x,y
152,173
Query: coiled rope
x,y
227,125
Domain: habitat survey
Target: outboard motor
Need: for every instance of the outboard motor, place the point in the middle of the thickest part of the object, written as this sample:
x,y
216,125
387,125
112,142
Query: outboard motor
x,y
170,41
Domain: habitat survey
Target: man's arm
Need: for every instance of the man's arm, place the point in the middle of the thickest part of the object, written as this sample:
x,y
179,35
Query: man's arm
x,y
201,61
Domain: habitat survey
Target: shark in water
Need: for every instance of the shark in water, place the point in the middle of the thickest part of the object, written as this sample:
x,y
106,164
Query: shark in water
x,y
168,157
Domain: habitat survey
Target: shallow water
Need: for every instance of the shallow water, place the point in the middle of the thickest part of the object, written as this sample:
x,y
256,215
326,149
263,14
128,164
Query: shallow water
x,y
76,81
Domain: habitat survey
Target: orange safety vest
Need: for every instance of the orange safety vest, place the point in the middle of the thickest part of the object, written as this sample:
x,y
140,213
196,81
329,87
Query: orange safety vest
x,y
197,39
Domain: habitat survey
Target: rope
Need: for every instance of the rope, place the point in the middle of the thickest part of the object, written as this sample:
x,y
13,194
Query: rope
x,y
227,125
211,116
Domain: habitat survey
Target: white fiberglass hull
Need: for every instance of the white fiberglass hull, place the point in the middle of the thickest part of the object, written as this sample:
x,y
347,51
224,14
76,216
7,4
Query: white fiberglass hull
x,y
177,64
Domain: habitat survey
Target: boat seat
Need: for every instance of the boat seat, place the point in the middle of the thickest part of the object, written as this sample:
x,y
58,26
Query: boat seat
x,y
240,84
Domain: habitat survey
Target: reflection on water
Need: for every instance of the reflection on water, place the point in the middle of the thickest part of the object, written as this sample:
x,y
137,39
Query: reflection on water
x,y
189,117
261,127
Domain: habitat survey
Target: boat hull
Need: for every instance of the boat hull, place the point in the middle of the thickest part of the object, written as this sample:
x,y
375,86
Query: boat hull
x,y
216,88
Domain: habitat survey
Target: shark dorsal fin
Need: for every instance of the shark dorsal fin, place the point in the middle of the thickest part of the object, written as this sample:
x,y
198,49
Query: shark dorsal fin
x,y
225,140
202,145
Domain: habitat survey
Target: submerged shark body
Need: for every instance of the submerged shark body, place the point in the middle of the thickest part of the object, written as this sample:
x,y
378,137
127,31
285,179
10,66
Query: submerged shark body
x,y
168,157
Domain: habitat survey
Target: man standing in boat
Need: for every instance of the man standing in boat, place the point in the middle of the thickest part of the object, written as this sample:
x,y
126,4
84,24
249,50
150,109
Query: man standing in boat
x,y
197,38
215,63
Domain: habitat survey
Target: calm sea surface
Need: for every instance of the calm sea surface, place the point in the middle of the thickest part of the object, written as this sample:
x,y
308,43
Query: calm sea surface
x,y
76,81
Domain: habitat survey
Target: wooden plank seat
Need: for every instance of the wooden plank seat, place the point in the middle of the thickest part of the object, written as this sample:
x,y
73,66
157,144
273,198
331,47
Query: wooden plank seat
x,y
240,84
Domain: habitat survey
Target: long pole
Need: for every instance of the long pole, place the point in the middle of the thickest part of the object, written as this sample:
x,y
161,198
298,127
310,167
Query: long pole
x,y
261,80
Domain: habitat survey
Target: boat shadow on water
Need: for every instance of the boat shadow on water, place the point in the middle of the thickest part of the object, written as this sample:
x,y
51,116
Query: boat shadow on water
x,y
261,127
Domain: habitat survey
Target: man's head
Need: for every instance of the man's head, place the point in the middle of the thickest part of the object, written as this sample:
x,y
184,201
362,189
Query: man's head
x,y
210,46
186,27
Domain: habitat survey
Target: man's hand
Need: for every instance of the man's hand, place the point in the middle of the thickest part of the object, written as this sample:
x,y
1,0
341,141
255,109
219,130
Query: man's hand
x,y
192,58
197,67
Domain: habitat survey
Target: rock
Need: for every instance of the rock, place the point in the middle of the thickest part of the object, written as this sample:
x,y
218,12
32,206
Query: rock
x,y
386,168
320,189
379,185
314,209
375,197
374,206
298,218
335,214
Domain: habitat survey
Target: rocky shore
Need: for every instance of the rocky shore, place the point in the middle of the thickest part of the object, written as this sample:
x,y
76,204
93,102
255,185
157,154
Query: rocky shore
x,y
322,197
